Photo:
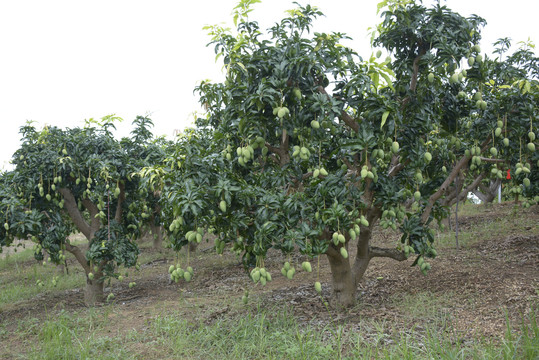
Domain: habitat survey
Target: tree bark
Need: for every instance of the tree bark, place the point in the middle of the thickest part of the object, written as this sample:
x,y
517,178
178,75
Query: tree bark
x,y
193,247
157,235
487,194
79,255
345,276
121,199
74,213
93,292
343,279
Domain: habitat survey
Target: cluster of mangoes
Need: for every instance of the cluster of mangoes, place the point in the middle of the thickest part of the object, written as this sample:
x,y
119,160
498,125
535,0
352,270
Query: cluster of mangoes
x,y
177,273
260,274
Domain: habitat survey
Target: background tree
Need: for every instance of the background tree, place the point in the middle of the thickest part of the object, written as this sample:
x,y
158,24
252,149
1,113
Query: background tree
x,y
147,154
509,87
80,180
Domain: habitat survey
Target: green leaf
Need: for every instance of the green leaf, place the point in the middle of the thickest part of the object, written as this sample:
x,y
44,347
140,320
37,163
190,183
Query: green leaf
x,y
384,118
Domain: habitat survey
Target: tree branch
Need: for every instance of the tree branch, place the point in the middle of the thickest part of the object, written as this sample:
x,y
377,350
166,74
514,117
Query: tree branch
x,y
415,73
74,213
77,252
489,160
445,185
462,194
95,223
388,253
121,198
347,119
415,66
282,151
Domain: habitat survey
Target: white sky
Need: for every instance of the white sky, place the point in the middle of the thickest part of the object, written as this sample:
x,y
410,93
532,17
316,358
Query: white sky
x,y
63,61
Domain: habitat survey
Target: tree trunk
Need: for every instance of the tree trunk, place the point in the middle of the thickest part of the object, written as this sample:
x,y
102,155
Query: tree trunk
x,y
93,293
157,235
486,197
344,281
346,277
487,194
193,247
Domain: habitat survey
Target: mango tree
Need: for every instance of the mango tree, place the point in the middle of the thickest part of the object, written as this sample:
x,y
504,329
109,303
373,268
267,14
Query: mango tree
x,y
147,152
79,179
508,91
17,220
308,147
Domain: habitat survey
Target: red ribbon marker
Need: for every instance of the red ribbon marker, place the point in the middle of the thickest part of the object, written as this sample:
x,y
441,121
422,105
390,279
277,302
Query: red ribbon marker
x,y
508,174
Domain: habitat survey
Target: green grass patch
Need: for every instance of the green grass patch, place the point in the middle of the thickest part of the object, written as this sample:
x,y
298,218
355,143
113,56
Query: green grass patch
x,y
423,305
264,334
276,334
504,222
76,336
261,334
20,272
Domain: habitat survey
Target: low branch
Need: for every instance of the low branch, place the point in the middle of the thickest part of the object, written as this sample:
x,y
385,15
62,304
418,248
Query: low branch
x,y
332,250
388,253
95,223
463,194
487,194
494,185
348,164
77,252
282,151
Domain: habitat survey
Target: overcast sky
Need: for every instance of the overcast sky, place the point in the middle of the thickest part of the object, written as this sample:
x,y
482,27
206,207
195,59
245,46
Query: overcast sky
x,y
65,61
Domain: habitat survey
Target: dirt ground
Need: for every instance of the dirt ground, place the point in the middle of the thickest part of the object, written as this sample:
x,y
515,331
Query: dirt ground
x,y
472,288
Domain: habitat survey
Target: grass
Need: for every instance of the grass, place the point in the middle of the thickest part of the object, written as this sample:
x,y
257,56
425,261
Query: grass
x,y
72,336
504,222
262,334
269,335
19,273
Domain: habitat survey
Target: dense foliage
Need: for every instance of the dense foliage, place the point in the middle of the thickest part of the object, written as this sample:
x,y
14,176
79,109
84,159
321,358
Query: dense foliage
x,y
81,180
307,146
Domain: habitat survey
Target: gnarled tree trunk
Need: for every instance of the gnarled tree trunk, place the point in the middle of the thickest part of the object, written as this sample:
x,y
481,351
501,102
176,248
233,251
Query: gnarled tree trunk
x,y
343,279
93,292
487,194
345,275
